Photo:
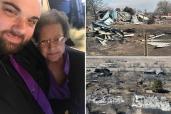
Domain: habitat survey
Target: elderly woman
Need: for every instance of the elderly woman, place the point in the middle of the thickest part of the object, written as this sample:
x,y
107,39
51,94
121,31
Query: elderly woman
x,y
65,64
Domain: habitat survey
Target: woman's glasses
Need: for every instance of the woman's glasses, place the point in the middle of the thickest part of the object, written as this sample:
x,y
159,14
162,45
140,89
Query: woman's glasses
x,y
55,41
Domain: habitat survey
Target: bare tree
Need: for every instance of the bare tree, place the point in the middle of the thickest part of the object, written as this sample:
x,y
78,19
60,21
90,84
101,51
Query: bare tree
x,y
93,6
163,7
129,10
118,9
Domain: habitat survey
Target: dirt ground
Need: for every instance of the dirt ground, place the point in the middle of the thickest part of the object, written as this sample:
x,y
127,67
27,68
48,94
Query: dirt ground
x,y
132,46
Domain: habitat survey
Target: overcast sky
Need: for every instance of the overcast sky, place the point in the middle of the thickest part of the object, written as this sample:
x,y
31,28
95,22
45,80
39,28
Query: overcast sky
x,y
149,5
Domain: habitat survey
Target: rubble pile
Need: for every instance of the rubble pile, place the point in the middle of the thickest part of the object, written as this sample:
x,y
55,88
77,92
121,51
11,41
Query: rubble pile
x,y
113,16
153,102
104,33
158,40
101,97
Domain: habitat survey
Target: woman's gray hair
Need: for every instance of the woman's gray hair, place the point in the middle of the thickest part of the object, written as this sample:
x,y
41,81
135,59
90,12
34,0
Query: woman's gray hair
x,y
52,17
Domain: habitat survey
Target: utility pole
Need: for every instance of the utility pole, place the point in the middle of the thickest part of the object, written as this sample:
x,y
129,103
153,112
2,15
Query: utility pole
x,y
145,45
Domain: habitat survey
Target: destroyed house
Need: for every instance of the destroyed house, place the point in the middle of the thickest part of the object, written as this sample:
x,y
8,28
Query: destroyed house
x,y
107,14
124,16
110,16
113,15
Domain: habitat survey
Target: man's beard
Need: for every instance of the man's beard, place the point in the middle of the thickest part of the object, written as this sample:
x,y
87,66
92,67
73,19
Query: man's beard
x,y
7,47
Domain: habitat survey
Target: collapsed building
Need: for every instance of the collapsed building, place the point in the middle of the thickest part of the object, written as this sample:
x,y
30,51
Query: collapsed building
x,y
103,31
101,97
113,16
163,19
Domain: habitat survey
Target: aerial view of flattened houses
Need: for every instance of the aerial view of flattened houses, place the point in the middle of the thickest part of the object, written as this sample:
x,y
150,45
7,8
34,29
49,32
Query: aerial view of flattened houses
x,y
128,85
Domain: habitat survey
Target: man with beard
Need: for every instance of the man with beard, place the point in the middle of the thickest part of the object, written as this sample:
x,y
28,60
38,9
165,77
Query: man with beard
x,y
22,85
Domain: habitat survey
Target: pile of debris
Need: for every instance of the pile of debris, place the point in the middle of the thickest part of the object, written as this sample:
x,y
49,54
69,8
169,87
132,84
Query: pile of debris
x,y
104,33
101,97
159,40
101,29
153,102
165,19
155,72
112,16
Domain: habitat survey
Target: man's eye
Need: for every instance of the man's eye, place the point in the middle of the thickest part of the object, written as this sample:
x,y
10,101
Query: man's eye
x,y
10,12
32,22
